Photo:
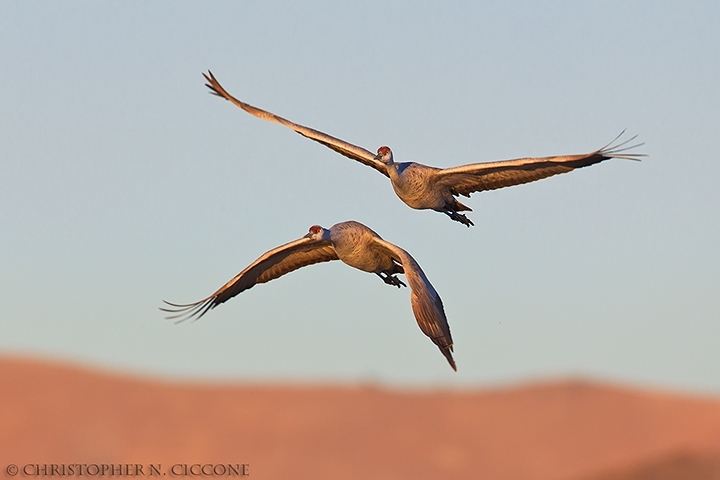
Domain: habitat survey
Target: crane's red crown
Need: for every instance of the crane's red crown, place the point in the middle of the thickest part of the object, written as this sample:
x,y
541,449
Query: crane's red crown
x,y
315,229
383,150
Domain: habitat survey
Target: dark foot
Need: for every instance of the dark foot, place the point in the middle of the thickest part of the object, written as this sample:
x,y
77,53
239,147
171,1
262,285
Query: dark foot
x,y
391,280
459,217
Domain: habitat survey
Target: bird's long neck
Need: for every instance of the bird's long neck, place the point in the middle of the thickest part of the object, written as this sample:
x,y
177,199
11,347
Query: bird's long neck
x,y
392,169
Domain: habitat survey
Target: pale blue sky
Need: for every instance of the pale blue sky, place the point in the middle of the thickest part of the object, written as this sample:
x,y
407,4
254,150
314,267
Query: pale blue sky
x,y
122,182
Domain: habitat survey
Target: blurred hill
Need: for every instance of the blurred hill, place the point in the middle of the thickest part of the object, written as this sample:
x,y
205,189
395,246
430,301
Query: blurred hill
x,y
681,466
574,430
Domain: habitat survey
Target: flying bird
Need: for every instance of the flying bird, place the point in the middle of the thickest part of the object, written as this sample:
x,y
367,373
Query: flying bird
x,y
424,187
354,244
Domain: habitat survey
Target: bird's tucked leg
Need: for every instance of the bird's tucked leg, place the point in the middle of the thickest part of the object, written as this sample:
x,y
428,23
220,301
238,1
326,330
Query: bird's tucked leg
x,y
391,279
459,217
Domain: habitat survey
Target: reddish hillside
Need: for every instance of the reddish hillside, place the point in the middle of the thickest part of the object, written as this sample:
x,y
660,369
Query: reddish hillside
x,y
564,430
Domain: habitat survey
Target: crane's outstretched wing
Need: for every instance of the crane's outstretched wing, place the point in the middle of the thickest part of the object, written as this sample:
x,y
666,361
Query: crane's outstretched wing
x,y
348,149
476,177
426,303
273,264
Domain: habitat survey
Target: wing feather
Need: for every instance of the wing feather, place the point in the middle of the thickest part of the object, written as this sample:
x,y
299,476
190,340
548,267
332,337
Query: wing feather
x,y
426,303
477,177
347,149
271,265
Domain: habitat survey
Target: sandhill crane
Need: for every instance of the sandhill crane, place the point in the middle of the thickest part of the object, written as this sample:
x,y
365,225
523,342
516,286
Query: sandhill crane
x,y
423,187
354,244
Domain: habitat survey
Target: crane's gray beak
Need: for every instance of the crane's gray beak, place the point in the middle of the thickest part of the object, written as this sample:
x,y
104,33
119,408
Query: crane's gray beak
x,y
307,235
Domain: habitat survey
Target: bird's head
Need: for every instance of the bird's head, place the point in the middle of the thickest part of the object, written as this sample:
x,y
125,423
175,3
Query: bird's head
x,y
316,232
384,154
